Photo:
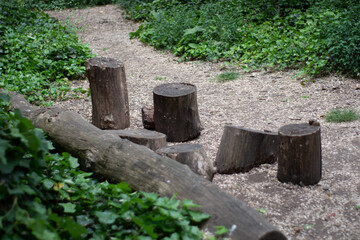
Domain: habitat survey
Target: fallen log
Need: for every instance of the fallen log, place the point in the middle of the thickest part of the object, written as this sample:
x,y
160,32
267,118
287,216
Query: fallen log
x,y
116,159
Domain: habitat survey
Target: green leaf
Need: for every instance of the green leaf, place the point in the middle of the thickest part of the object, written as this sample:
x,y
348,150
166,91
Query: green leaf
x,y
193,30
48,183
22,189
73,162
106,217
221,230
198,216
4,145
193,45
189,204
260,210
150,196
74,228
167,203
357,206
68,207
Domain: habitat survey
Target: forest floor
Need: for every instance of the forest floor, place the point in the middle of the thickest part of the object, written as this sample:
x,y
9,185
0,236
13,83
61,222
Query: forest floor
x,y
256,100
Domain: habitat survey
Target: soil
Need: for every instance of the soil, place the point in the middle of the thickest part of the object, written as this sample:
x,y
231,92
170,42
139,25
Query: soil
x,y
257,100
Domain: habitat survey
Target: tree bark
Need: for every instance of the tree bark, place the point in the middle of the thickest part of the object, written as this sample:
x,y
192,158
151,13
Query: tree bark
x,y
299,154
241,149
147,113
109,96
176,111
151,139
116,159
192,155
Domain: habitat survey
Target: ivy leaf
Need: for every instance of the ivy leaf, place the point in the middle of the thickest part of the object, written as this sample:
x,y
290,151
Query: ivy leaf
x,y
48,184
221,230
4,144
68,207
74,228
189,204
106,217
198,216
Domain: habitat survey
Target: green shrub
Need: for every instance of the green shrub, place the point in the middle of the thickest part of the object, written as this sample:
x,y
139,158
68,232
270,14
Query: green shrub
x,y
62,4
45,196
342,115
38,55
315,36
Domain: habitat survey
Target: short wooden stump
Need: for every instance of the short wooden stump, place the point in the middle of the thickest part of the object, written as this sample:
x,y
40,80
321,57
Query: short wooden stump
x,y
299,159
176,111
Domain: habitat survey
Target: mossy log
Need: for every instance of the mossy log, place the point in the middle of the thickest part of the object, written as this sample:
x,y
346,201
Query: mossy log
x,y
116,159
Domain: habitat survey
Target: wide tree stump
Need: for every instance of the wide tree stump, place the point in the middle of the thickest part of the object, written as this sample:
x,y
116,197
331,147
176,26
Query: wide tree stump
x,y
115,160
192,155
147,113
109,96
241,149
151,139
176,111
299,154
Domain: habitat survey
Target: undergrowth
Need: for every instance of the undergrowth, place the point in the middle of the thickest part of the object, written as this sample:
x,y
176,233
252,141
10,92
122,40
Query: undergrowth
x,y
342,115
44,195
315,36
38,56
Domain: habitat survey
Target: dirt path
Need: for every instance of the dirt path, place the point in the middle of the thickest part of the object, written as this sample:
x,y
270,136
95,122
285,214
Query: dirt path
x,y
259,100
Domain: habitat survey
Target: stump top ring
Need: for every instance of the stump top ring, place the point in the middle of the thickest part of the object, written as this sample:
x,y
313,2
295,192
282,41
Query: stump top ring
x,y
174,89
298,129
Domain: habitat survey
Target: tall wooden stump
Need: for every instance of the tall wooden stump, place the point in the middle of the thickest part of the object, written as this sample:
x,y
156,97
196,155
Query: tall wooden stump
x,y
241,149
109,96
299,154
176,111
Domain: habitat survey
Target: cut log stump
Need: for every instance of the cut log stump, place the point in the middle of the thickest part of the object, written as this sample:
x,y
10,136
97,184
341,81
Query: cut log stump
x,y
299,154
241,149
151,139
147,113
192,155
176,111
109,96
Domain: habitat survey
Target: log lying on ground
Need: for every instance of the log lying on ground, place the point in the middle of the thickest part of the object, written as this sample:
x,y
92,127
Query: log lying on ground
x,y
151,139
116,159
192,155
241,149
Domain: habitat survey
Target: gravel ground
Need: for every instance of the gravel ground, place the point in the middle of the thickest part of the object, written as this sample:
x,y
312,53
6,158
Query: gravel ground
x,y
257,100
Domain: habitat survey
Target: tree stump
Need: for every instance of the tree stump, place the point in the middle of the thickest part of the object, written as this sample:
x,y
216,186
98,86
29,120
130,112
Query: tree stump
x,y
241,149
150,139
109,96
192,155
147,113
299,154
176,111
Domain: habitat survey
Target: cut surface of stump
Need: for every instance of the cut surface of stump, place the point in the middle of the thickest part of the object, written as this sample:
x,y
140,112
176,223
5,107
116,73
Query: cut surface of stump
x,y
109,96
176,111
241,149
192,155
147,113
299,154
151,139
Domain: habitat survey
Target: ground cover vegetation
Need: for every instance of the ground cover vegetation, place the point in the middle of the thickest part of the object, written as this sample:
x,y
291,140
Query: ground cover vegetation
x,y
315,36
38,55
44,195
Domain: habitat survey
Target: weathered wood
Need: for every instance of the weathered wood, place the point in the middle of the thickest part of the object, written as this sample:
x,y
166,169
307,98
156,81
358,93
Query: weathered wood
x,y
299,154
116,159
176,111
241,149
109,96
147,113
192,155
150,139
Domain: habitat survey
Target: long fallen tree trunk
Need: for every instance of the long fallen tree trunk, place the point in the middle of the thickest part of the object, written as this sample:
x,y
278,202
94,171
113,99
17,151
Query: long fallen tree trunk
x,y
115,160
